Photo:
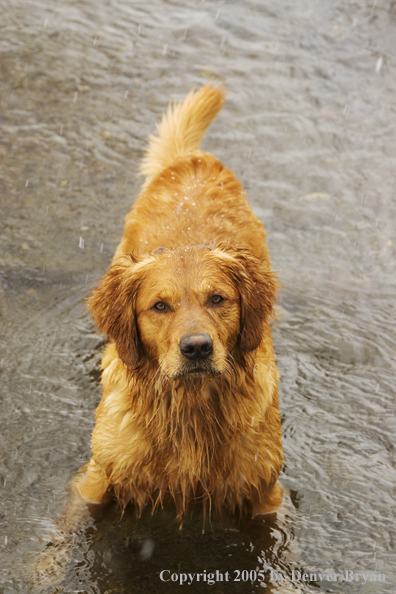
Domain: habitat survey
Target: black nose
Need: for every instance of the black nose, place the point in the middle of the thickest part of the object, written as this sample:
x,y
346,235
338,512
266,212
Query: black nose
x,y
196,346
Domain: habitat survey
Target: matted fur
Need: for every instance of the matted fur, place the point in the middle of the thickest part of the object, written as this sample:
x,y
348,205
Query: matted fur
x,y
166,426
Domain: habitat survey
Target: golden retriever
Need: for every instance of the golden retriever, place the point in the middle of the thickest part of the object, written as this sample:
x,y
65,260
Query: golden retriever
x,y
190,397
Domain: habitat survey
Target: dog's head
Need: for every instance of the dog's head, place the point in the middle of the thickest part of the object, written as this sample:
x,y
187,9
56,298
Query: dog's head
x,y
189,308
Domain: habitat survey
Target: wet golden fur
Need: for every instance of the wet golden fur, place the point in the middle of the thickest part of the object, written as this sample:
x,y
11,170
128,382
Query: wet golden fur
x,y
167,425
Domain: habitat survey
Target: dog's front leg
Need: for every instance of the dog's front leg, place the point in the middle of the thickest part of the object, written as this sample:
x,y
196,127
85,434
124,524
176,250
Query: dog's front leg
x,y
92,483
86,492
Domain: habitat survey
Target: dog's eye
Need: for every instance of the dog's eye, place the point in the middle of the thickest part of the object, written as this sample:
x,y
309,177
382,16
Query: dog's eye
x,y
216,299
160,306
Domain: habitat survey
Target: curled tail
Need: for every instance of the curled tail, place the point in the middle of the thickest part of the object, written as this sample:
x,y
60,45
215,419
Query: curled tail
x,y
182,129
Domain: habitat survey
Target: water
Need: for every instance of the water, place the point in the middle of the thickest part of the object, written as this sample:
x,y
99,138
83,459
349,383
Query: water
x,y
309,128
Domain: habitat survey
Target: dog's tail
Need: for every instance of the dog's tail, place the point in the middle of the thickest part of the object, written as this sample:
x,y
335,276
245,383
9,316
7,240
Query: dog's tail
x,y
182,129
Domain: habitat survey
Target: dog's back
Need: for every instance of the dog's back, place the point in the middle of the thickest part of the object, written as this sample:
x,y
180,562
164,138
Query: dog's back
x,y
189,197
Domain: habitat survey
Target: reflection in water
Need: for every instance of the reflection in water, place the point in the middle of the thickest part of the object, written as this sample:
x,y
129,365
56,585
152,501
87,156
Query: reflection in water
x,y
308,128
151,553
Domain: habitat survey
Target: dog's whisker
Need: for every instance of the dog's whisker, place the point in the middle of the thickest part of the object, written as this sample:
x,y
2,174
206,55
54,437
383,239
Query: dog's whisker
x,y
231,360
158,372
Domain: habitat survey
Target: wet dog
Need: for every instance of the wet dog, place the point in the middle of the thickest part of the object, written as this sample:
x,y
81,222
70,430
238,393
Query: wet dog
x,y
190,398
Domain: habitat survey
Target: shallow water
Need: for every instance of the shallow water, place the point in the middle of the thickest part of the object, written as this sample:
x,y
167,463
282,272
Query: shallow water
x,y
309,127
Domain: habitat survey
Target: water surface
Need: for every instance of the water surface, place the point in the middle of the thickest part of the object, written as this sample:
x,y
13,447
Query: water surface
x,y
309,127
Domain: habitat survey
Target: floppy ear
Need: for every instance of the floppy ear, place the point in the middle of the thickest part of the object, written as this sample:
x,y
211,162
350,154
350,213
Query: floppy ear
x,y
112,305
258,293
257,287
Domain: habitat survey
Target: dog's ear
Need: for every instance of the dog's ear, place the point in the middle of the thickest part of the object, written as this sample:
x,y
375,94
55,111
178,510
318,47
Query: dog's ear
x,y
258,292
112,304
257,288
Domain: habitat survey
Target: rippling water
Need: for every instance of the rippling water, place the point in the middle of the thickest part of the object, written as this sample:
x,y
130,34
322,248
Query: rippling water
x,y
309,127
